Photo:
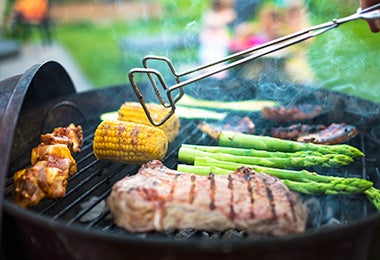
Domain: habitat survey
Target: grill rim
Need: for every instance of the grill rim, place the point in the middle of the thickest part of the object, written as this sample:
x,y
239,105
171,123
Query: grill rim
x,y
317,234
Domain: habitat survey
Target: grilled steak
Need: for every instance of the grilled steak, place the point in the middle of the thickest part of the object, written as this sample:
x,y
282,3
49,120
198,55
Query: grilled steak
x,y
158,198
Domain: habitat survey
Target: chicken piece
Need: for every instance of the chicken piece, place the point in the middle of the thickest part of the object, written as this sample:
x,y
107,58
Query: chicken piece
x,y
71,136
26,185
52,165
57,156
37,182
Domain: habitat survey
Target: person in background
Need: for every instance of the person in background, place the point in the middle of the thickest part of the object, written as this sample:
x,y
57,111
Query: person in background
x,y
244,10
297,66
32,12
374,24
263,29
215,36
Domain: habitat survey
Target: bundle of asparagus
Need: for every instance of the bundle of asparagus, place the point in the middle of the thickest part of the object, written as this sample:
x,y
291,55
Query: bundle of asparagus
x,y
301,181
275,157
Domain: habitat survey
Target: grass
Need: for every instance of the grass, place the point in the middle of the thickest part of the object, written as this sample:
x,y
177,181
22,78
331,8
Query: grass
x,y
345,59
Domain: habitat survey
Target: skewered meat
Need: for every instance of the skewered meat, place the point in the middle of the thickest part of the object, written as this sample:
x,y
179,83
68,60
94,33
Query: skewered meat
x,y
291,113
52,164
293,132
334,134
158,198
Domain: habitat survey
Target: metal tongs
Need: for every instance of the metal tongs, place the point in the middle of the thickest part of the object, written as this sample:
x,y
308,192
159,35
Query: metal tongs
x,y
243,56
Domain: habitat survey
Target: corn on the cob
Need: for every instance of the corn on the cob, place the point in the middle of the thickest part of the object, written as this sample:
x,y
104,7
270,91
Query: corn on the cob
x,y
129,142
134,112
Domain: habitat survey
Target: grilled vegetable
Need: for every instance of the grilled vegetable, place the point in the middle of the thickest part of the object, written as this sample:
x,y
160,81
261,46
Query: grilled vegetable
x,y
187,153
302,181
134,112
373,196
233,139
129,142
243,105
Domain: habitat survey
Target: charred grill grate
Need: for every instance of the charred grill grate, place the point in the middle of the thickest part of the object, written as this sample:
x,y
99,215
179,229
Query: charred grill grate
x,y
84,202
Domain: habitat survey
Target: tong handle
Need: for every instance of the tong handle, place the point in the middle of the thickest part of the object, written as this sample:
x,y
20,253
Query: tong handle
x,y
244,56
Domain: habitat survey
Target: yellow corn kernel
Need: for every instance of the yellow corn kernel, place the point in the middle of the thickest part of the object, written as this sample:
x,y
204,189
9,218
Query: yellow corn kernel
x,y
134,112
129,142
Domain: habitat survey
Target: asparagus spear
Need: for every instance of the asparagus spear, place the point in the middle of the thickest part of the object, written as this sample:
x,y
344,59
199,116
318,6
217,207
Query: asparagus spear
x,y
244,105
373,195
201,170
249,151
302,181
187,154
235,139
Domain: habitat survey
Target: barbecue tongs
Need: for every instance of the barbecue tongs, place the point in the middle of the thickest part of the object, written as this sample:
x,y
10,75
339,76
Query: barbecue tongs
x,y
244,56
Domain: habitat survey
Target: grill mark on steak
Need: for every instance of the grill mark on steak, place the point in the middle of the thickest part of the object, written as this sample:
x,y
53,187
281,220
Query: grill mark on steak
x,y
294,216
231,188
172,190
247,177
192,189
212,190
270,199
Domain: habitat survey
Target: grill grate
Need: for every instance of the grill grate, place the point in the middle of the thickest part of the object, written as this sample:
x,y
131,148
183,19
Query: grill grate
x,y
84,202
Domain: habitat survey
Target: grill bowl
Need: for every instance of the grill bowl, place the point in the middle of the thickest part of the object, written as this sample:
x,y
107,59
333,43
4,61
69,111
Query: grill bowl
x,y
55,229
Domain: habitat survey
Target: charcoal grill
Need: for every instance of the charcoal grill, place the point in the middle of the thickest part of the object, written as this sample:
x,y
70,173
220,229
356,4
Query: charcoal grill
x,y
78,226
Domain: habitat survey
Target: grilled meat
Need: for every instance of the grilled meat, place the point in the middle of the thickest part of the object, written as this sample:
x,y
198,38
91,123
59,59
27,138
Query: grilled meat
x,y
71,136
334,134
241,125
52,164
320,134
291,113
57,156
293,132
158,198
39,181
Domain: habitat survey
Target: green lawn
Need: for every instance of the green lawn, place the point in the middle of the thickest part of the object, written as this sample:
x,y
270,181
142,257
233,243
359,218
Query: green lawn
x,y
346,59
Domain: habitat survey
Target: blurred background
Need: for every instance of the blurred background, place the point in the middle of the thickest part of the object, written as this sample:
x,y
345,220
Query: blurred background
x,y
99,41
